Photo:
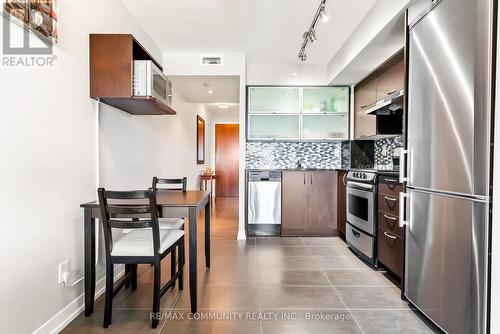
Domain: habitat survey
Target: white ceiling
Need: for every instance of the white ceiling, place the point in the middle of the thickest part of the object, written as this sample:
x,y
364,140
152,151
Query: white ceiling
x,y
226,89
268,31
232,108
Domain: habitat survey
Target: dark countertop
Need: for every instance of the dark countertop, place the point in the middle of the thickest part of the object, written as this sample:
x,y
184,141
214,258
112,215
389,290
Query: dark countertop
x,y
378,171
294,169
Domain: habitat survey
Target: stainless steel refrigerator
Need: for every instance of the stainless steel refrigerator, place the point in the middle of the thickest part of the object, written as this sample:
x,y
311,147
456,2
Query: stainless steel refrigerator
x,y
448,163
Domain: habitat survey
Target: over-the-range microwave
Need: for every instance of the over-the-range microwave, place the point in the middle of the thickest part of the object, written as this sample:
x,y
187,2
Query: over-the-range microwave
x,y
149,80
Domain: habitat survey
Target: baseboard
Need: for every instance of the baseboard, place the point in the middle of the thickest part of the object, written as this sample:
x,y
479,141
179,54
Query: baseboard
x,y
62,318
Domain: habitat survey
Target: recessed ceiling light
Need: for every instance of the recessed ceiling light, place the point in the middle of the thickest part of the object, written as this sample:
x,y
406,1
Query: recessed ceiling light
x,y
223,106
210,91
294,74
206,84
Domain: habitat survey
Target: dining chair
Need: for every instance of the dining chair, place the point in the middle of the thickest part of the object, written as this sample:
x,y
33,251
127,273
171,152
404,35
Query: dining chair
x,y
170,184
144,244
167,223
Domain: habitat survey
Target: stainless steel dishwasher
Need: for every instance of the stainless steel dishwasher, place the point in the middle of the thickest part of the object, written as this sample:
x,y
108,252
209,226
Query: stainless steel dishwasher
x,y
264,203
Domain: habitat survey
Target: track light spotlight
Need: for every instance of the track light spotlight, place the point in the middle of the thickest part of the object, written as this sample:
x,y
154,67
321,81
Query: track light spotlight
x,y
312,35
323,14
302,55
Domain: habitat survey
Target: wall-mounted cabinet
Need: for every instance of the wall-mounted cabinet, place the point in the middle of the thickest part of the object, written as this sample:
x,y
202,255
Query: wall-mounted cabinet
x,y
380,85
298,113
112,59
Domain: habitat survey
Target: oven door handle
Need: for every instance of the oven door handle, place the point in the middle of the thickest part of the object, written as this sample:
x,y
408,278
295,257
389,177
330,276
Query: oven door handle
x,y
358,185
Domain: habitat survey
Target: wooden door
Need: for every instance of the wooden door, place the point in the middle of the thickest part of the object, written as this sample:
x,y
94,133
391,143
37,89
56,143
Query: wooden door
x,y
322,203
391,77
294,203
341,201
227,159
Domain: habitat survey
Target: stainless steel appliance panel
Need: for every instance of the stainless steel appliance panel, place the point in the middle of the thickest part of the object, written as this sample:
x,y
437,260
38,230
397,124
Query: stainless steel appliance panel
x,y
449,98
446,259
361,206
360,241
264,197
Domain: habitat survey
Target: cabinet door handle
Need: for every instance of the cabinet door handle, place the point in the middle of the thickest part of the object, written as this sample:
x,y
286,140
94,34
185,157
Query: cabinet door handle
x,y
390,199
392,180
304,178
389,236
392,92
344,179
311,179
389,217
363,106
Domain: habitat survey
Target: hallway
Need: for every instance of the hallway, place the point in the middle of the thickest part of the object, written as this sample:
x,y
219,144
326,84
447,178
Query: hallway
x,y
266,285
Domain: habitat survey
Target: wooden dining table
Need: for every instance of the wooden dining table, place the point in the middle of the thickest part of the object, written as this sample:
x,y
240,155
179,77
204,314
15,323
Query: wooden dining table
x,y
171,203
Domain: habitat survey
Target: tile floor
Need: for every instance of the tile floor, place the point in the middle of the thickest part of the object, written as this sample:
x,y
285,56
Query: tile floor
x,y
266,285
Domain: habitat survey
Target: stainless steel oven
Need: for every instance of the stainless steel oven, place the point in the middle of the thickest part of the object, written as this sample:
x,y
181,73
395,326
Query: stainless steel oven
x,y
361,202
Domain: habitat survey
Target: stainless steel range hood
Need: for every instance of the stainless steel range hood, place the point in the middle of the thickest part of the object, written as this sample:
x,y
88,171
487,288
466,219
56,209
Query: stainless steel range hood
x,y
389,105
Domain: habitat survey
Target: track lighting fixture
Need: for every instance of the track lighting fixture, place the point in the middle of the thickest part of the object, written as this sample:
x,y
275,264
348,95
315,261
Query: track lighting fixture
x,y
310,35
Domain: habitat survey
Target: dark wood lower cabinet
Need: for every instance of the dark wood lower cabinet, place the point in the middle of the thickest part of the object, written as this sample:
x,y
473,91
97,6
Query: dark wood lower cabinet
x,y
390,234
309,206
390,251
293,203
341,201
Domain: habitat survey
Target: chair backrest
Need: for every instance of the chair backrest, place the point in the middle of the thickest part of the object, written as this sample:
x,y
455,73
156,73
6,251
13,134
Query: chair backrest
x,y
170,184
128,210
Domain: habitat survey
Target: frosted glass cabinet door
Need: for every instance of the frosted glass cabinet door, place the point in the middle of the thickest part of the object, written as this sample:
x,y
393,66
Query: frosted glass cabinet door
x,y
324,126
273,126
271,100
326,100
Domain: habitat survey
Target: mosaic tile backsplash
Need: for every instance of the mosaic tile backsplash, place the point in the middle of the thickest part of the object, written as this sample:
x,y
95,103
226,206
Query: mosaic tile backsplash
x,y
385,161
324,155
283,155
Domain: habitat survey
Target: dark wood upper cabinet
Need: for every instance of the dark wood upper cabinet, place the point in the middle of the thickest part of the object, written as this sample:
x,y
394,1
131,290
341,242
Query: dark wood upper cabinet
x,y
309,203
365,93
112,71
386,80
364,125
390,77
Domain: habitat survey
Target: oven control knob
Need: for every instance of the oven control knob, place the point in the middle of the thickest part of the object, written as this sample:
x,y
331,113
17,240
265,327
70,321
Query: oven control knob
x,y
363,176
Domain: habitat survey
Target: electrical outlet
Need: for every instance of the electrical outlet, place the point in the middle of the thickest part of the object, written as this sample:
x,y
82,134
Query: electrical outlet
x,y
384,151
63,269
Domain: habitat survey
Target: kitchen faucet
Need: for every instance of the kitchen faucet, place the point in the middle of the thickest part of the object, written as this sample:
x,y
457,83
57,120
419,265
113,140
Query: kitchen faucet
x,y
299,163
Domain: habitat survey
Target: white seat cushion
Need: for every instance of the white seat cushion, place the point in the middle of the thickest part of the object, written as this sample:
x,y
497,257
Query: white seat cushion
x,y
140,242
170,223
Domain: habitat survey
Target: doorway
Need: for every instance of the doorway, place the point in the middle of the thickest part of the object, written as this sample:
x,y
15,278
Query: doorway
x,y
227,159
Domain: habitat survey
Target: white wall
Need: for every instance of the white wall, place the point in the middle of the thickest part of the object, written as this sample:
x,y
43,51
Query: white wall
x,y
136,148
48,168
232,64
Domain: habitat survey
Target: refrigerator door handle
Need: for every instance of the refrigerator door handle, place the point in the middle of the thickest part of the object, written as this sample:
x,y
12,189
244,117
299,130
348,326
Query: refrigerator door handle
x,y
402,166
402,204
